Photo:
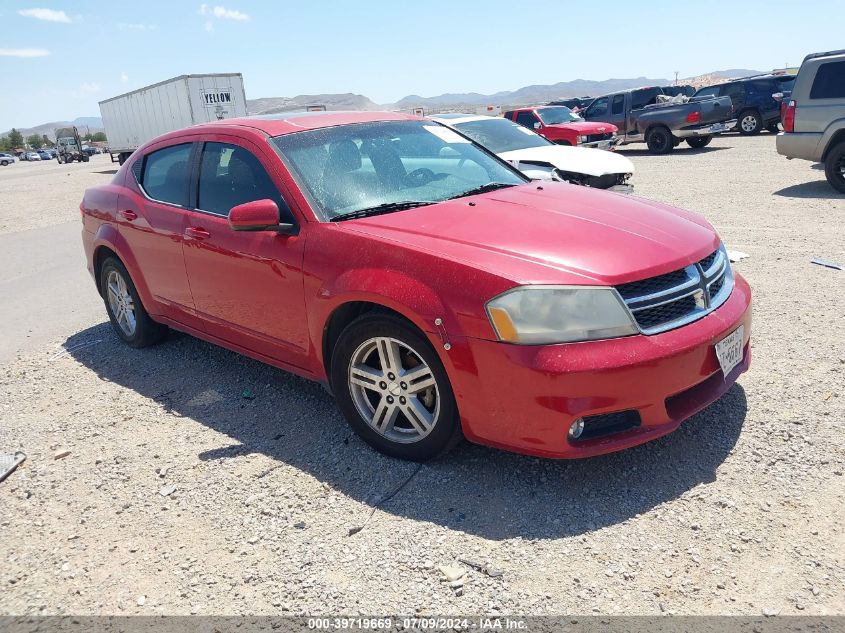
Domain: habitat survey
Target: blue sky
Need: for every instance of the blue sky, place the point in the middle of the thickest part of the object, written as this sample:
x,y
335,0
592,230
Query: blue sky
x,y
58,59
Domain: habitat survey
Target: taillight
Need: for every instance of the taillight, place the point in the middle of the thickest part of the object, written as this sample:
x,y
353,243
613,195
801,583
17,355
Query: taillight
x,y
789,117
694,117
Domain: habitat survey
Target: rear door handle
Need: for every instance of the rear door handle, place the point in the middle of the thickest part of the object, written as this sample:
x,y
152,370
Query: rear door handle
x,y
196,232
129,215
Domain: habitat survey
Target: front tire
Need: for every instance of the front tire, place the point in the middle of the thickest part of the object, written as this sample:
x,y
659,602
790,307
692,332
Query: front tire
x,y
659,140
393,390
697,142
750,123
834,167
774,128
126,312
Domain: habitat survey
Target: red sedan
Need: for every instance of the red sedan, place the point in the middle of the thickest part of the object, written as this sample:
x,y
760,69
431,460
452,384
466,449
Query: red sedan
x,y
431,286
561,125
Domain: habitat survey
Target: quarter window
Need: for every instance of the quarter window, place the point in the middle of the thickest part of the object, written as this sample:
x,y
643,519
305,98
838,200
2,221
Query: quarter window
x,y
165,175
829,82
231,175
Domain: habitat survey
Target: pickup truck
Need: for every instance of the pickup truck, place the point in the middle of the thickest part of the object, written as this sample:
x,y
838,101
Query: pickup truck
x,y
642,117
561,125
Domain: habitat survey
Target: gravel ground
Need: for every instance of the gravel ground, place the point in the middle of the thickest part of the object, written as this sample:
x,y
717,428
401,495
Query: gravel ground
x,y
43,193
198,481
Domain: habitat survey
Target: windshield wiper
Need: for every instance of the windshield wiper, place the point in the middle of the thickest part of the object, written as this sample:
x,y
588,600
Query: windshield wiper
x,y
490,186
380,209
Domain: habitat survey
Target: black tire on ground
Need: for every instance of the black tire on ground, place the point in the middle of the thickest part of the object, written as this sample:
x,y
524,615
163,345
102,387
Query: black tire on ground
x,y
834,167
85,158
121,158
660,140
774,128
749,123
147,332
446,429
697,142
4,163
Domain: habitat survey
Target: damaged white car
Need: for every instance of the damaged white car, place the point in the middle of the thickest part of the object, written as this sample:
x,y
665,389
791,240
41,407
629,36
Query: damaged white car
x,y
541,159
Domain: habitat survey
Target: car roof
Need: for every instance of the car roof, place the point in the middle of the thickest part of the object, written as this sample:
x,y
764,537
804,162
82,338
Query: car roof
x,y
454,117
290,122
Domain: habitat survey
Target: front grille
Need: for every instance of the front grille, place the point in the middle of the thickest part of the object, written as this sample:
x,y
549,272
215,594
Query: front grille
x,y
681,296
608,424
594,138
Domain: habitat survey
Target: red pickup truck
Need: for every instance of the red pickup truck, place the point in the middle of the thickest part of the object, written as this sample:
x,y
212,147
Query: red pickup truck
x,y
561,125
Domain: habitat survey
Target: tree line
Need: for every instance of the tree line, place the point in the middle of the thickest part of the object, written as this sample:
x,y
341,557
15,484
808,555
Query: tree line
x,y
15,140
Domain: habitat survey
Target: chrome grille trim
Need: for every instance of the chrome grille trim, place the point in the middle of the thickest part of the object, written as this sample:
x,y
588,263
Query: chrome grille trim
x,y
709,281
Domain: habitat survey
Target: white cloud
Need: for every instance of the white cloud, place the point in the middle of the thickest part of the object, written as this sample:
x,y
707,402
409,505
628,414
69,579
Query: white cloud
x,y
222,13
126,26
89,87
24,52
48,15
124,78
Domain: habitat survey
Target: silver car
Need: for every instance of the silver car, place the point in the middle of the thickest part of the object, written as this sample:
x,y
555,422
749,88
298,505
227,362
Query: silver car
x,y
814,119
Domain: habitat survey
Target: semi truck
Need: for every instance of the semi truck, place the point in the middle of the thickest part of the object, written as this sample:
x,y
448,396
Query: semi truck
x,y
69,146
134,118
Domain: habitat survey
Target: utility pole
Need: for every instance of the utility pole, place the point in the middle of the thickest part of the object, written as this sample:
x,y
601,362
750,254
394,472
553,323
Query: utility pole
x,y
676,77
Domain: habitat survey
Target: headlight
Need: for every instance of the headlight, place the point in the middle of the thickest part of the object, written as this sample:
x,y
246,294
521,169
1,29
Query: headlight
x,y
580,139
542,315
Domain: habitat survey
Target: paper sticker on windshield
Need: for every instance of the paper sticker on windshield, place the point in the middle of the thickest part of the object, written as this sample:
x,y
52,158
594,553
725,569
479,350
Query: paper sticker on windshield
x,y
445,134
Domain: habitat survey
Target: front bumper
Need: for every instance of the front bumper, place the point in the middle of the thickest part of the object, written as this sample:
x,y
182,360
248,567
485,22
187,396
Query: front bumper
x,y
524,398
606,144
706,130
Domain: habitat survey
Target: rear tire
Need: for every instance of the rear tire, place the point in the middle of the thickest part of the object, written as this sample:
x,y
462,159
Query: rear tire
x,y
393,390
697,142
834,167
750,123
660,140
774,128
126,312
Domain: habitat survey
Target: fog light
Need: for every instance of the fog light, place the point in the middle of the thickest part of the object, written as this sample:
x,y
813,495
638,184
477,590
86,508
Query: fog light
x,y
576,429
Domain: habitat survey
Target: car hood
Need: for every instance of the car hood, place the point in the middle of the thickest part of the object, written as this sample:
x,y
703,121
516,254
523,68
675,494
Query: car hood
x,y
580,160
587,127
554,233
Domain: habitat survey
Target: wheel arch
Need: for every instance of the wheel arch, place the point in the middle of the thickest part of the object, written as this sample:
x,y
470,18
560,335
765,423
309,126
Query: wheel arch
x,y
835,139
109,242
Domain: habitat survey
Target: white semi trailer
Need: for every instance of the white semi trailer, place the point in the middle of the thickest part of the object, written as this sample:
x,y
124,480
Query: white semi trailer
x,y
134,118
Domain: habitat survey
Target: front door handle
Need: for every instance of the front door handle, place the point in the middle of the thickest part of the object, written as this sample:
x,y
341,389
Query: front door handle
x,y
196,232
129,215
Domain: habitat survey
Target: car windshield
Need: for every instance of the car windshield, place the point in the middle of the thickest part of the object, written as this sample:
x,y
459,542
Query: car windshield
x,y
501,135
557,114
352,168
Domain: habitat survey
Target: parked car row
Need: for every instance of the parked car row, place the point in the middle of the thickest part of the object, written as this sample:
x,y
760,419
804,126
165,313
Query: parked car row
x,y
7,159
755,100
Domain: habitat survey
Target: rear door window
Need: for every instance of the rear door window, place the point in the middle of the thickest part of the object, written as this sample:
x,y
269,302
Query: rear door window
x,y
829,82
165,174
231,175
618,106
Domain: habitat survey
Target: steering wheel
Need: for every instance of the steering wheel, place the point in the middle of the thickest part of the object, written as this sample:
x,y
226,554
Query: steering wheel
x,y
421,176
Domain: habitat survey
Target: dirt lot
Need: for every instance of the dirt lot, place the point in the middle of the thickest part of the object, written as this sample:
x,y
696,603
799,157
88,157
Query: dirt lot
x,y
202,482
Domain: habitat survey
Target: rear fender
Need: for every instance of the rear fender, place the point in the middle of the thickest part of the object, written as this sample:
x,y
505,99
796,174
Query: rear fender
x,y
108,237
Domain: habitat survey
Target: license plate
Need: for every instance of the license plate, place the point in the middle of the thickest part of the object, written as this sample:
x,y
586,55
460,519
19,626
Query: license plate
x,y
718,127
729,350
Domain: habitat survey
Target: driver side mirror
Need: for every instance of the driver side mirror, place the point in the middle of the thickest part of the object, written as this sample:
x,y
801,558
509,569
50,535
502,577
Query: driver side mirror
x,y
258,215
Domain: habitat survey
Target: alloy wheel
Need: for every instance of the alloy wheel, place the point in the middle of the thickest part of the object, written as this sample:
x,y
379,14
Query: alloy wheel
x,y
394,390
121,303
749,123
